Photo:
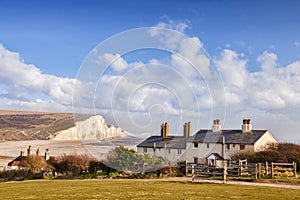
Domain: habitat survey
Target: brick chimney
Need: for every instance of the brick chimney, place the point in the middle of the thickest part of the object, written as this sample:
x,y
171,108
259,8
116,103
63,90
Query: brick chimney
x,y
29,150
47,154
164,131
38,151
246,126
216,126
22,153
187,129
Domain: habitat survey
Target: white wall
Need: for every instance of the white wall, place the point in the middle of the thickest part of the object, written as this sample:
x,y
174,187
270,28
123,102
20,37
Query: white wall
x,y
262,143
202,152
169,155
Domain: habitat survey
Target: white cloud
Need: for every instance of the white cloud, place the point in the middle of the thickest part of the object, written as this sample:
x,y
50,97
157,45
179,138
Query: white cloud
x,y
176,25
297,44
117,63
268,61
190,49
233,68
170,84
272,88
163,88
24,81
269,96
35,105
170,40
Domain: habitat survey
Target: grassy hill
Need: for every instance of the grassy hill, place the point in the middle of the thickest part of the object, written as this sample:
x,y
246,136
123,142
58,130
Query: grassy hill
x,y
29,125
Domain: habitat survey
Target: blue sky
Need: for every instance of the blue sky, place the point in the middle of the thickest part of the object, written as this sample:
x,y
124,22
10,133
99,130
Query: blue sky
x,y
256,45
57,35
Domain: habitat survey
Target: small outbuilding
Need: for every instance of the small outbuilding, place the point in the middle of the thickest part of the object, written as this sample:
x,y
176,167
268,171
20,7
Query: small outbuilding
x,y
215,160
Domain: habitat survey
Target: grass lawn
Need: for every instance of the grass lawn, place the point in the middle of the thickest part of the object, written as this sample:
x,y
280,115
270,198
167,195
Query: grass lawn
x,y
137,189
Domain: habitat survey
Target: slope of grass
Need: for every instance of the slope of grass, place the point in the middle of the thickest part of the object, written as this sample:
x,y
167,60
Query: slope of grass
x,y
137,189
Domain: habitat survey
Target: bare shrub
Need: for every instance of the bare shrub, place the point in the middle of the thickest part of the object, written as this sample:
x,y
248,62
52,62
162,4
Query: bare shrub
x,y
283,152
72,164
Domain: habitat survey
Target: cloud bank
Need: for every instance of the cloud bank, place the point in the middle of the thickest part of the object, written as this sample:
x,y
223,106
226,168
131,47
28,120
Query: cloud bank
x,y
152,90
24,86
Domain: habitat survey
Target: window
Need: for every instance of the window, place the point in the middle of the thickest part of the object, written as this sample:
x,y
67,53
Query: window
x,y
233,145
196,145
207,145
179,151
242,147
169,150
145,149
195,160
228,146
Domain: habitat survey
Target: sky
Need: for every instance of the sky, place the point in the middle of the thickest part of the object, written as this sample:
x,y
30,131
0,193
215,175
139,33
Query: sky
x,y
45,46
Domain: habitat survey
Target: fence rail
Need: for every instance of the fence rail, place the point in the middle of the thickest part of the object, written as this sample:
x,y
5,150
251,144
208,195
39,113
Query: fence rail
x,y
242,169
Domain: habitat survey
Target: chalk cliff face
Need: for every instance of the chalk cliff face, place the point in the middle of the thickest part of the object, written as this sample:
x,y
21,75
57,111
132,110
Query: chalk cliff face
x,y
93,128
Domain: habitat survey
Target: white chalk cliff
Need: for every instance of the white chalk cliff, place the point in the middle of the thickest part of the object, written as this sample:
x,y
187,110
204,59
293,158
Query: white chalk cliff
x,y
93,128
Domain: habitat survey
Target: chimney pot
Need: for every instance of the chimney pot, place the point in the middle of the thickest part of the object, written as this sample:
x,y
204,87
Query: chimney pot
x,y
216,122
246,126
187,129
216,127
166,130
162,130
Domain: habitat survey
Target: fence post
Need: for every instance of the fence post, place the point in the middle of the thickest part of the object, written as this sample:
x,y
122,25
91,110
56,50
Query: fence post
x,y
225,173
272,169
259,170
267,168
186,168
240,168
193,172
256,171
295,168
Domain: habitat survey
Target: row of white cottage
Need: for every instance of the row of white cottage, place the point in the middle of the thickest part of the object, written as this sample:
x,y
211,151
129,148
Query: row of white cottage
x,y
207,146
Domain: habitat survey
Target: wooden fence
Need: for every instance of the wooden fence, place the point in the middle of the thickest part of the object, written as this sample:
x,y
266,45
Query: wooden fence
x,y
242,169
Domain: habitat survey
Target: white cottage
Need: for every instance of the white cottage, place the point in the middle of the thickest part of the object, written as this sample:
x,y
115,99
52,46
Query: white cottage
x,y
207,146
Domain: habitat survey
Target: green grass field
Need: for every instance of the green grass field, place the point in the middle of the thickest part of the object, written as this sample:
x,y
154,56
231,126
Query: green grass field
x,y
137,189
